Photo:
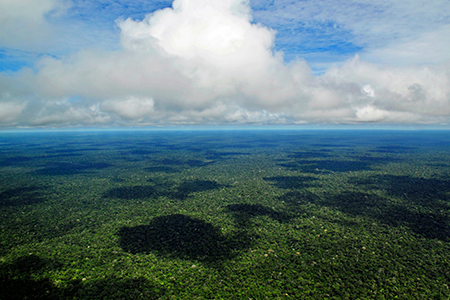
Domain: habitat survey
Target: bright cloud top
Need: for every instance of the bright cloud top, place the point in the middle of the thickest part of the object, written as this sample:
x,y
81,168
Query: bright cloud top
x,y
206,62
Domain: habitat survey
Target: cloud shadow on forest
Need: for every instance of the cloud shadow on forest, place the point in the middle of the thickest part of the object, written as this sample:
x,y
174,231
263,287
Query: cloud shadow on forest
x,y
18,281
60,169
177,192
243,213
162,169
290,182
16,160
322,153
311,162
319,166
182,237
187,162
429,224
216,155
22,196
393,149
132,192
433,193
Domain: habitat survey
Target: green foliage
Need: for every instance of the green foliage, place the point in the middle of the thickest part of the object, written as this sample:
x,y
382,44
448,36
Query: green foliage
x,y
220,215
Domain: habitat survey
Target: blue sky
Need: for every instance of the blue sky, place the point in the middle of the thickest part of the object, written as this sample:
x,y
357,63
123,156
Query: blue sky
x,y
304,29
324,61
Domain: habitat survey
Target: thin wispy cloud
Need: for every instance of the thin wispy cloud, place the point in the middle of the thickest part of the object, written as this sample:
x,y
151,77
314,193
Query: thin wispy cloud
x,y
139,63
370,28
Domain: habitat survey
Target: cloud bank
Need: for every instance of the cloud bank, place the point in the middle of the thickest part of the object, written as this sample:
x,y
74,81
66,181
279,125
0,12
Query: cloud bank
x,y
207,62
24,22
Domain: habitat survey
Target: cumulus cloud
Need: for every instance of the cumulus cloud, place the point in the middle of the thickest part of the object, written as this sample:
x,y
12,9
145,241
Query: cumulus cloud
x,y
10,111
130,108
206,62
24,22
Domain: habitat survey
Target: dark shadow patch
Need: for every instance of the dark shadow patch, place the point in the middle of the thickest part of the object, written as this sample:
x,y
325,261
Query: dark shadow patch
x,y
117,179
180,192
430,193
438,165
196,149
384,151
21,160
118,288
243,213
430,225
378,159
311,154
26,265
197,163
142,152
427,224
62,155
63,151
297,198
354,203
240,146
60,229
290,182
329,146
17,282
58,169
313,162
179,236
338,166
171,147
268,145
171,162
112,144
430,221
319,166
141,155
154,143
22,196
393,149
223,155
189,162
67,151
132,192
16,160
185,189
293,166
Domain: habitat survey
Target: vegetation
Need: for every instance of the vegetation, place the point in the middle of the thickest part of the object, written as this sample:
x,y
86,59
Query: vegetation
x,y
226,214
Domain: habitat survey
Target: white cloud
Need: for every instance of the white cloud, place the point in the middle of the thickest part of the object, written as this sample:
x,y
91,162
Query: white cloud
x,y
214,42
129,108
24,23
422,89
10,111
387,31
425,48
206,62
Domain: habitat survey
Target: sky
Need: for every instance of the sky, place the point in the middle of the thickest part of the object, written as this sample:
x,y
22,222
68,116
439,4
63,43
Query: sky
x,y
137,63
